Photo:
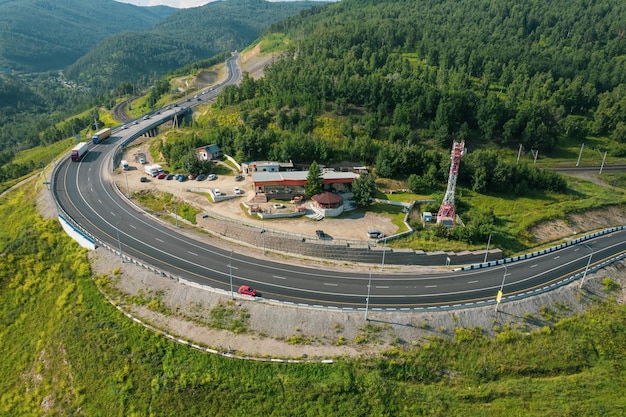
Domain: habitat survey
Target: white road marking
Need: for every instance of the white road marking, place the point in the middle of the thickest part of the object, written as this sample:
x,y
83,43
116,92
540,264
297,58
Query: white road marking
x,y
430,286
534,266
160,240
382,286
330,285
191,253
276,276
472,282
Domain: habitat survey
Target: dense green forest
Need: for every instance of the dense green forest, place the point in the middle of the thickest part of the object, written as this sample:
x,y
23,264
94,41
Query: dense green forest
x,y
187,36
42,35
498,73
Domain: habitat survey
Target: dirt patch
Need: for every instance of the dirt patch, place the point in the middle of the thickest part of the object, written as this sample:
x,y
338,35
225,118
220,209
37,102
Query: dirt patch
x,y
205,79
578,223
254,63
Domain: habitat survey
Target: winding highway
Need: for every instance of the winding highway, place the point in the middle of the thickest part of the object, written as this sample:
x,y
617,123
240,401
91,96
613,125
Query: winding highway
x,y
86,195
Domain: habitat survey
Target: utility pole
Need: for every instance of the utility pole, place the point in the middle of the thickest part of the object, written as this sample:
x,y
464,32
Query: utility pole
x,y
580,153
384,250
175,212
367,300
519,152
263,233
582,281
487,251
119,242
230,272
535,153
603,159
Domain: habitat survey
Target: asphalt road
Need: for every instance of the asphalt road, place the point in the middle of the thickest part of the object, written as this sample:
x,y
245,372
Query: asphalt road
x,y
87,196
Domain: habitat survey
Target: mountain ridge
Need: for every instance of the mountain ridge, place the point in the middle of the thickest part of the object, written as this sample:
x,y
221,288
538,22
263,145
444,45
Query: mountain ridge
x,y
40,35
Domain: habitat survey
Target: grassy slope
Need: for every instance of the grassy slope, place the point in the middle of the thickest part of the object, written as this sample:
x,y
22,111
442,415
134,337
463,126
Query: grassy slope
x,y
66,351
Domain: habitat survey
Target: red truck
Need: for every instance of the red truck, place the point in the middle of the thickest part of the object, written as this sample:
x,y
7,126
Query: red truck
x,y
78,151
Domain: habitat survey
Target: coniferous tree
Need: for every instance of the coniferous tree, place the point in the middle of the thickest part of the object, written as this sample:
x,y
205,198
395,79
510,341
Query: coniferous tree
x,y
314,180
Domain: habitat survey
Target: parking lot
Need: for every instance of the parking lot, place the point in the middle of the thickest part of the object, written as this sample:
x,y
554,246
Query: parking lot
x,y
351,226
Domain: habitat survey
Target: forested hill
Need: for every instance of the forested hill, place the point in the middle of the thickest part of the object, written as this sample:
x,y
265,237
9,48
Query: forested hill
x,y
405,71
184,37
39,35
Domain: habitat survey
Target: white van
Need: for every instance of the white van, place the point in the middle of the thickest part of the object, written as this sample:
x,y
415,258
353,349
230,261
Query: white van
x,y
124,165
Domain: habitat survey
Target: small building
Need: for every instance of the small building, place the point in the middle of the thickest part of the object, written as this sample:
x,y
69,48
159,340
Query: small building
x,y
209,152
327,200
249,168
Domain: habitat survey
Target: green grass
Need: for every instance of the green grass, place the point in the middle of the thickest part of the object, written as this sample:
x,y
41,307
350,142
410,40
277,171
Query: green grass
x,y
163,203
42,155
274,42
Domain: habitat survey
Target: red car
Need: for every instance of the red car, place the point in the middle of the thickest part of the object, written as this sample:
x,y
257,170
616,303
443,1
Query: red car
x,y
246,290
161,176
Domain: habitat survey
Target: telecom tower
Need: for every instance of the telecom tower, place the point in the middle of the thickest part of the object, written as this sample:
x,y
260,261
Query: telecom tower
x,y
446,214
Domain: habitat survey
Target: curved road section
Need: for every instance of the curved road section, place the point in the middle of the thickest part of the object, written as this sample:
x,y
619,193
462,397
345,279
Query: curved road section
x,y
85,194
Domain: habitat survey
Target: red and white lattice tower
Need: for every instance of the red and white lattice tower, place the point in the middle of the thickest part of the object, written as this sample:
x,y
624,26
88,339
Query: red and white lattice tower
x,y
446,212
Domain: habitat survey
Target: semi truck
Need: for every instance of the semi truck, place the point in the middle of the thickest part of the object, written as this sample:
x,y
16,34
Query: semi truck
x,y
78,151
100,136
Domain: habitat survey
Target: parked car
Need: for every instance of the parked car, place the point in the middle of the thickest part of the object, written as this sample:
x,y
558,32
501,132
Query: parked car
x,y
143,179
169,177
161,176
200,177
192,176
279,205
238,177
237,191
320,234
181,178
142,160
375,234
247,290
217,192
212,177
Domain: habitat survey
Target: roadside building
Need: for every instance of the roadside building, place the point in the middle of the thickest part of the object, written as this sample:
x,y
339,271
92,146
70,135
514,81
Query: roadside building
x,y
209,152
286,185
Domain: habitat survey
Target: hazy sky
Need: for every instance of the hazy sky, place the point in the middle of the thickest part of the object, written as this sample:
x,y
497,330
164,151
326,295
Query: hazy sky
x,y
181,4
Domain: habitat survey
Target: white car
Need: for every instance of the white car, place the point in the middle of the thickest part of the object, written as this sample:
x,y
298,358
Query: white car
x,y
217,192
211,177
237,190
